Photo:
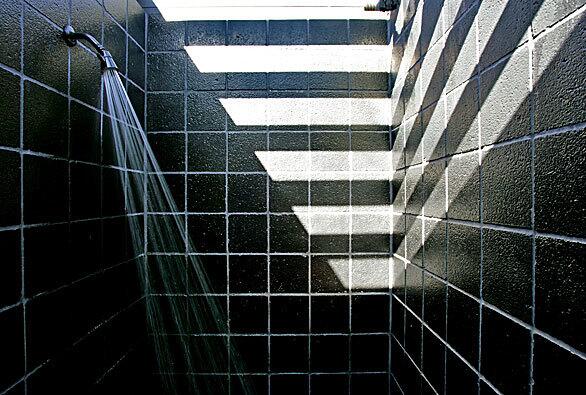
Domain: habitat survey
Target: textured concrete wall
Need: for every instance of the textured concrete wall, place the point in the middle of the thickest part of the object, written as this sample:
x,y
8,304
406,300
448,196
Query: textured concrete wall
x,y
488,195
68,287
308,311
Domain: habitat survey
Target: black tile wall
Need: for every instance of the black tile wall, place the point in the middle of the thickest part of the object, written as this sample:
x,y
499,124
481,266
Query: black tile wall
x,y
285,288
487,192
59,331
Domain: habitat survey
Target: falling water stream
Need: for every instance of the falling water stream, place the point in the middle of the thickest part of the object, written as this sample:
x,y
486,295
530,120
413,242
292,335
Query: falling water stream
x,y
176,286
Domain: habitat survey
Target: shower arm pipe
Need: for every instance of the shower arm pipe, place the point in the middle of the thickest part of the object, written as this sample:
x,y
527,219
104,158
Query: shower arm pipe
x,y
71,38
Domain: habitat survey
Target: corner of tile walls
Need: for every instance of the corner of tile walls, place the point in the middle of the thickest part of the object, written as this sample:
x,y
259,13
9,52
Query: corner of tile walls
x,y
488,195
70,308
297,323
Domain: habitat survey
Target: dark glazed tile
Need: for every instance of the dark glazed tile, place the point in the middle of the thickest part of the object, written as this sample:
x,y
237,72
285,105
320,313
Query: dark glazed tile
x,y
248,233
506,271
85,195
205,112
166,71
12,344
136,64
464,188
247,33
86,16
462,128
10,270
330,81
248,314
294,384
176,184
84,133
504,91
433,356
434,185
375,384
45,190
206,152
117,8
329,277
560,290
246,81
206,33
116,41
560,181
460,379
369,81
169,150
413,338
288,81
45,121
329,353
207,232
505,353
136,22
165,112
434,304
163,35
257,383
289,353
198,81
330,193
248,274
242,149
559,75
555,369
325,384
289,314
250,352
85,76
499,36
464,257
206,193
288,234
460,52
506,185
435,247
10,47
215,268
287,32
9,109
137,99
289,274
329,314
247,193
328,32
369,353
365,32
55,10
370,313
463,325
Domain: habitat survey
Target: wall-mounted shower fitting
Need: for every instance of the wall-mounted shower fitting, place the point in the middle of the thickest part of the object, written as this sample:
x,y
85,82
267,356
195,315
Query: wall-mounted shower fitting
x,y
71,37
382,5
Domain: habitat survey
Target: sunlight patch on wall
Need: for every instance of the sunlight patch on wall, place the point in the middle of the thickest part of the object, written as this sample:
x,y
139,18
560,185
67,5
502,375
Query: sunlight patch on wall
x,y
368,273
291,58
326,165
308,111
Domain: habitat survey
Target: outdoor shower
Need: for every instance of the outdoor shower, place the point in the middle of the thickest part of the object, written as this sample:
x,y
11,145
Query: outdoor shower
x,y
146,194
